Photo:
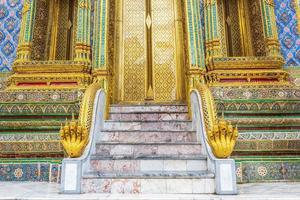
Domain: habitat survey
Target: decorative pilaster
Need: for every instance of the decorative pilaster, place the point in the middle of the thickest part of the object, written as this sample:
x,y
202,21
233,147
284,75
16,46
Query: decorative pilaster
x,y
195,34
100,61
83,38
180,57
100,42
100,35
25,38
195,44
212,26
270,28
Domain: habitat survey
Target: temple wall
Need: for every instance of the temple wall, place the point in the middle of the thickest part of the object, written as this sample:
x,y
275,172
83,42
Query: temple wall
x,y
10,14
288,32
10,18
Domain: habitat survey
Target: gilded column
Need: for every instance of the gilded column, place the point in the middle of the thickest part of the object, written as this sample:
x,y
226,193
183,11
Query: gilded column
x,y
100,61
25,37
270,28
212,28
195,42
100,34
195,45
83,34
100,40
195,34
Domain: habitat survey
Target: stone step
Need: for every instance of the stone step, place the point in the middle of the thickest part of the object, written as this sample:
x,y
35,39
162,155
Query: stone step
x,y
152,175
148,108
149,157
162,116
142,165
148,136
149,126
146,149
201,182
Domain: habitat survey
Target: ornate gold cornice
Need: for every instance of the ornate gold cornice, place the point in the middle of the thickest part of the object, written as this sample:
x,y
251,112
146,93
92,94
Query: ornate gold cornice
x,y
245,63
51,67
101,72
247,77
50,75
49,81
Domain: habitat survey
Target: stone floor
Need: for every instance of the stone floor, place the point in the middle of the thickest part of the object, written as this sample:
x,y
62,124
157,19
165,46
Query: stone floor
x,y
261,191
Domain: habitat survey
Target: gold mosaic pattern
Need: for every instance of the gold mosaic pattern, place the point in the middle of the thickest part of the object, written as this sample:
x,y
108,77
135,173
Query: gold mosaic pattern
x,y
256,28
134,51
163,44
40,31
164,66
221,30
235,28
62,36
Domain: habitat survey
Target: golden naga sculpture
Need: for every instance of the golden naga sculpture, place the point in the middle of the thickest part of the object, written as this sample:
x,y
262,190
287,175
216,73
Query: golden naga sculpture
x,y
221,135
75,135
74,138
222,138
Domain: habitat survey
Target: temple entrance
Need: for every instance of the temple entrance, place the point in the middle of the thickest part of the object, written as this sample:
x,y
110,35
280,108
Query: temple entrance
x,y
60,25
147,65
243,28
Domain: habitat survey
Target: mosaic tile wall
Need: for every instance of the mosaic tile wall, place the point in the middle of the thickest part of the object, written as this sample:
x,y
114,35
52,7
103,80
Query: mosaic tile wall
x,y
10,17
10,14
288,33
256,169
30,170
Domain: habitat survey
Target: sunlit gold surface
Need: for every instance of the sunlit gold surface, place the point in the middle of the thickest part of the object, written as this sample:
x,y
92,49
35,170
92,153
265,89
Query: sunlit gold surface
x,y
74,138
268,69
58,74
74,135
220,133
149,65
135,51
87,105
245,31
222,138
164,41
54,10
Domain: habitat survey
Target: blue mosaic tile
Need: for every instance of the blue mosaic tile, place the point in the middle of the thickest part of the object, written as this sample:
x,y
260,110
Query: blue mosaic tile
x,y
287,29
39,172
265,170
10,18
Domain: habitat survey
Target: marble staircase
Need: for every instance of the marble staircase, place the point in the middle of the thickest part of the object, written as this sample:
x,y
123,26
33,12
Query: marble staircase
x,y
148,149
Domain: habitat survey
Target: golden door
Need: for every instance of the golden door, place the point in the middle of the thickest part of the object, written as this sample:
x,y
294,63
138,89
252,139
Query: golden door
x,y
149,63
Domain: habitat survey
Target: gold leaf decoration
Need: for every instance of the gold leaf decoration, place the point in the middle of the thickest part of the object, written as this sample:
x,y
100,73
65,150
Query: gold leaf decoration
x,y
74,138
222,138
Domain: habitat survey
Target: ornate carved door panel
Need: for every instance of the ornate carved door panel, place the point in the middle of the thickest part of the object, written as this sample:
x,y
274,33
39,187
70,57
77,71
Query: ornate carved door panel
x,y
135,51
53,32
148,65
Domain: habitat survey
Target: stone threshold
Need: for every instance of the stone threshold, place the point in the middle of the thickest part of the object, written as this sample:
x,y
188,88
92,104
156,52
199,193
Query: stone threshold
x,y
50,191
